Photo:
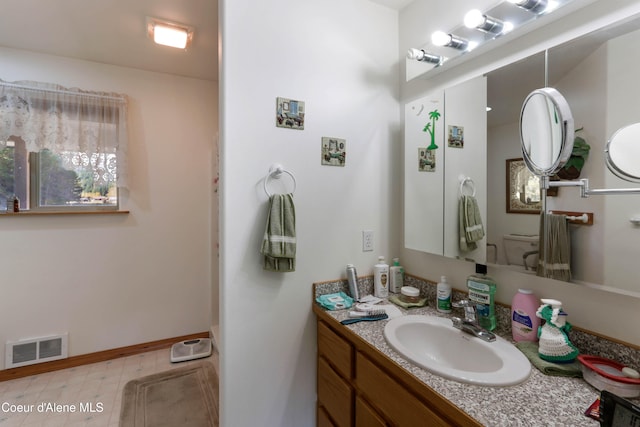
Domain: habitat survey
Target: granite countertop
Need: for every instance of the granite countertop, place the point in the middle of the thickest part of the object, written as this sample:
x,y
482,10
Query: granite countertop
x,y
540,400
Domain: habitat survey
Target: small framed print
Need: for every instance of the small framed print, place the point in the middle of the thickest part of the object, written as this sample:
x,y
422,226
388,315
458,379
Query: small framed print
x,y
456,136
426,160
289,113
334,151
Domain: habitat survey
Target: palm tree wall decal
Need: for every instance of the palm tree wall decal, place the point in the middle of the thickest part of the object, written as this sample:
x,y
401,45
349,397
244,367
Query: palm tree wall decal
x,y
431,128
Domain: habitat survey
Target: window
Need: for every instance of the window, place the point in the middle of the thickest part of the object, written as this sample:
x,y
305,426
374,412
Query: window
x,y
61,149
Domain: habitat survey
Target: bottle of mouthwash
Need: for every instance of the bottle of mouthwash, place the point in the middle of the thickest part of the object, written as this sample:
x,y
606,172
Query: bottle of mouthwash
x,y
482,291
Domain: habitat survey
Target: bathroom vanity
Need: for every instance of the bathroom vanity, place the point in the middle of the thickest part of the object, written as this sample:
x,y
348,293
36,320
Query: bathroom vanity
x,y
358,386
362,381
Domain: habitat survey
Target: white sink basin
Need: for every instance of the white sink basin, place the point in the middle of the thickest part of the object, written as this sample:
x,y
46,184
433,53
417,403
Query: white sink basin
x,y
434,344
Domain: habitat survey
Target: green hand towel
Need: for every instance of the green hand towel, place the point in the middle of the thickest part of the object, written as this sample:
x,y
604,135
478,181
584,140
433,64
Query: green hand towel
x,y
473,227
530,349
470,225
465,246
279,241
554,260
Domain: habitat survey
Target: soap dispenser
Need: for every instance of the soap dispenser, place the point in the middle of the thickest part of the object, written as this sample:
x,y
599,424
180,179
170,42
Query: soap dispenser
x,y
396,276
554,345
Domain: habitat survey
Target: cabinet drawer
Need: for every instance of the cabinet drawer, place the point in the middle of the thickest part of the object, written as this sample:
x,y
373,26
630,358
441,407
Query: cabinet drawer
x,y
334,394
323,418
366,416
336,350
392,400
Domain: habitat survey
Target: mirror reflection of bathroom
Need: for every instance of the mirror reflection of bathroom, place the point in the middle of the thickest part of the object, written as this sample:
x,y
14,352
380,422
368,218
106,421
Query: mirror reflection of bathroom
x,y
623,151
512,226
521,252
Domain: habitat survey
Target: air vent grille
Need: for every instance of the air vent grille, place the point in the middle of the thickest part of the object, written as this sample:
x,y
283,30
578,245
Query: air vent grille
x,y
37,350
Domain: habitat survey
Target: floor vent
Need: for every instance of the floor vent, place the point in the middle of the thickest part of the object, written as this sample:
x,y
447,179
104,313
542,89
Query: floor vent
x,y
37,350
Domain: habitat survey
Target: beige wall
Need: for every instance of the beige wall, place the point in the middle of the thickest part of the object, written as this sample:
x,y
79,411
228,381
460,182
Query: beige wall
x,y
117,280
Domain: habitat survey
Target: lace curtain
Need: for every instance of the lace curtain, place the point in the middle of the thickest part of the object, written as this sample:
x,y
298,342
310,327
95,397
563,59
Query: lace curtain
x,y
83,126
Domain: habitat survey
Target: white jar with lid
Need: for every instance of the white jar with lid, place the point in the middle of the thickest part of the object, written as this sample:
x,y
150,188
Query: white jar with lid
x,y
409,294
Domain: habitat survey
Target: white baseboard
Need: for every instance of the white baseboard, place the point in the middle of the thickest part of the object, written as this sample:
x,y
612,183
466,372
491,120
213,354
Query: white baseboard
x,y
214,334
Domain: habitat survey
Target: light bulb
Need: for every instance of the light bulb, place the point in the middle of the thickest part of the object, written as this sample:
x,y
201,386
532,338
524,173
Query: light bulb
x,y
508,27
414,54
422,56
477,20
440,38
170,36
474,18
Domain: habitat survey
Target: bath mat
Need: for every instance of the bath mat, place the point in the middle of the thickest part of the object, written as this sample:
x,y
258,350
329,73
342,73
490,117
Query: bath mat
x,y
185,396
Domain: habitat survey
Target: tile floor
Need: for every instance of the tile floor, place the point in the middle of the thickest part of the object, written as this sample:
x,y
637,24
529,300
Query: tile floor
x,y
96,387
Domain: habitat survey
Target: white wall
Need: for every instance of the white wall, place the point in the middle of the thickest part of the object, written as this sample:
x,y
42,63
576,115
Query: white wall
x,y
589,110
340,58
503,144
117,280
583,304
466,106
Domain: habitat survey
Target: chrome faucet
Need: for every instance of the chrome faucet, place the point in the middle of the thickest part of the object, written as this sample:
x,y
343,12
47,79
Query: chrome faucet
x,y
469,309
469,324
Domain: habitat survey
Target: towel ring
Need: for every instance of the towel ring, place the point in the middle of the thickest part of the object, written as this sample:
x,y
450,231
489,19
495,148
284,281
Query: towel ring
x,y
464,180
275,172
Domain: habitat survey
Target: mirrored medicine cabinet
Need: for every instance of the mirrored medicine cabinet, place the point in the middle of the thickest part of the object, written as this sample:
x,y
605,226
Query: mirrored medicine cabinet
x,y
595,73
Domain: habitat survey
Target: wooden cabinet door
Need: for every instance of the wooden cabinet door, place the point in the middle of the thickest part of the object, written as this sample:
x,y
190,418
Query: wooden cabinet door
x,y
366,416
391,399
335,394
336,350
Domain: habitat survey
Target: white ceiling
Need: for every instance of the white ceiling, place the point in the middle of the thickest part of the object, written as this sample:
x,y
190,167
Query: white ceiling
x,y
393,4
114,32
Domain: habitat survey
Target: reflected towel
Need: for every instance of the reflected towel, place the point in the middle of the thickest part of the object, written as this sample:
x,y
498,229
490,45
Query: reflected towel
x,y
471,229
554,259
279,241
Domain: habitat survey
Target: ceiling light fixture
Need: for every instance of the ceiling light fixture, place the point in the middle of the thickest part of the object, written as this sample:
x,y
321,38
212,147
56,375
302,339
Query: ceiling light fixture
x,y
169,33
440,38
534,6
421,55
476,19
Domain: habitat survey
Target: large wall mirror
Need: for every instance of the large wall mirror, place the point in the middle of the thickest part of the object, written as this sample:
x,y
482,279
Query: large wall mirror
x,y
597,74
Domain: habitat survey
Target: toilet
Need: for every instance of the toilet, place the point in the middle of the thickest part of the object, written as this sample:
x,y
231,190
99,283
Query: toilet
x,y
517,245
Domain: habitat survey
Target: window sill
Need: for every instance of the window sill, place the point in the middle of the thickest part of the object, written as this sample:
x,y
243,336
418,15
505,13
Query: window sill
x,y
58,213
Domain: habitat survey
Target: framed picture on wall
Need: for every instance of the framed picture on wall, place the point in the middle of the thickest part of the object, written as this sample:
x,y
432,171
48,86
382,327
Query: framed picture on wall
x,y
524,195
289,113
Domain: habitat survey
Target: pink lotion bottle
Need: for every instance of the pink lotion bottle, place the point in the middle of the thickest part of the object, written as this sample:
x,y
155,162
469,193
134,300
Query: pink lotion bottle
x,y
524,322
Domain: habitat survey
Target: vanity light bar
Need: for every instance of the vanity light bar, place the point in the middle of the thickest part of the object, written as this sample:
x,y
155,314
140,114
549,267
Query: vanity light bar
x,y
421,55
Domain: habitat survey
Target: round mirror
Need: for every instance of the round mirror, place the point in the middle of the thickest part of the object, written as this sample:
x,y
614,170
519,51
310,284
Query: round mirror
x,y
546,131
623,151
